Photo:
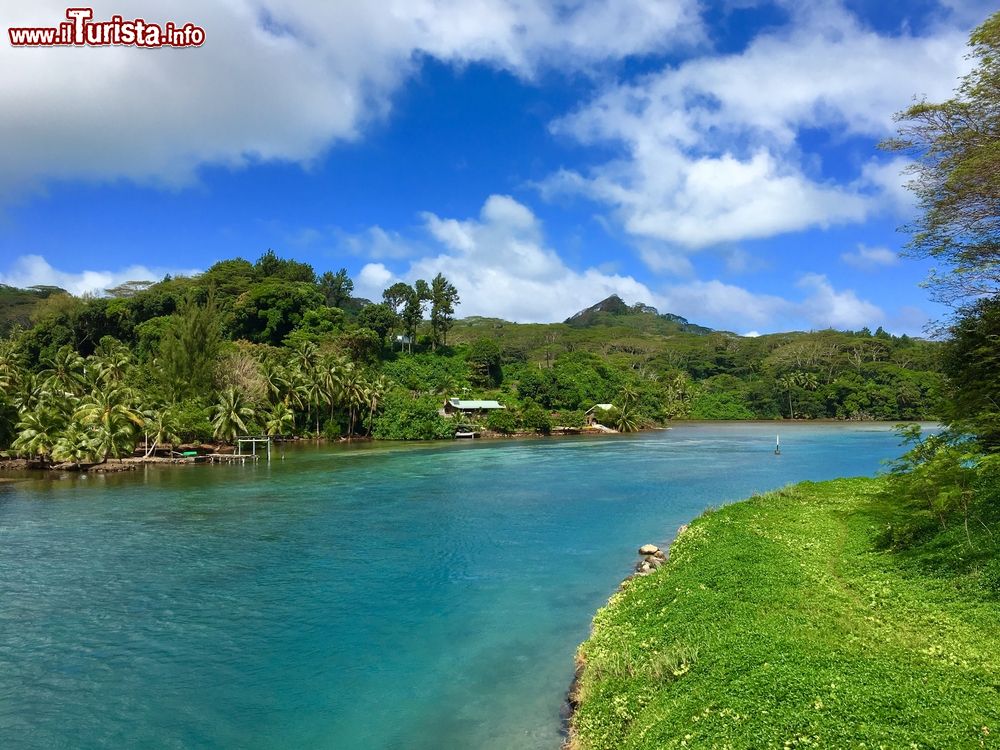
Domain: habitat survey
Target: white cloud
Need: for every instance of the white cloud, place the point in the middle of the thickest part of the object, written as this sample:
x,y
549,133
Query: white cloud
x,y
826,307
502,267
712,148
377,243
889,178
666,261
720,305
372,280
276,79
869,258
34,270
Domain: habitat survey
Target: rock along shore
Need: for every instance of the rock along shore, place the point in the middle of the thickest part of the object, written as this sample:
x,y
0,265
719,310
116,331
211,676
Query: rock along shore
x,y
651,559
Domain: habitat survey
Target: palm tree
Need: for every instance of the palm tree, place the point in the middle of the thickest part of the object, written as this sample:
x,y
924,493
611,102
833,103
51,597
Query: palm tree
x,y
807,380
74,445
305,356
375,393
28,394
798,379
280,421
315,393
66,372
112,420
11,370
628,420
275,379
352,390
230,415
332,372
162,425
38,432
628,396
787,382
111,362
296,394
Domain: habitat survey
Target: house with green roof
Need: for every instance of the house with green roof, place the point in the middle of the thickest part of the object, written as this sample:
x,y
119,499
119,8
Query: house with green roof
x,y
469,408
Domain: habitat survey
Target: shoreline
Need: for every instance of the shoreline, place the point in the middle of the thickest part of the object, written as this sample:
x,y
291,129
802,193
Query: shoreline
x,y
651,559
34,467
741,636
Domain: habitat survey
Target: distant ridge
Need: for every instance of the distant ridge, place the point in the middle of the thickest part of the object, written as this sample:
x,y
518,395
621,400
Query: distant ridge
x,y
614,311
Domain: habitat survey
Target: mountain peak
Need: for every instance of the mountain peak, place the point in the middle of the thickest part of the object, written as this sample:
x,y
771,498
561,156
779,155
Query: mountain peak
x,y
614,310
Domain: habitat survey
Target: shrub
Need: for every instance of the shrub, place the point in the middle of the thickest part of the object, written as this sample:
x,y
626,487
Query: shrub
x,y
536,418
404,418
502,420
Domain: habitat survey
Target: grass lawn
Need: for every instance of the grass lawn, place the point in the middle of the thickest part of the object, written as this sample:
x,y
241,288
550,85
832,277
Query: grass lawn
x,y
790,620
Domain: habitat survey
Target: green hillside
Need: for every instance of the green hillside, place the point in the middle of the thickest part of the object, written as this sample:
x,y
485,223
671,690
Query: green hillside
x,y
288,351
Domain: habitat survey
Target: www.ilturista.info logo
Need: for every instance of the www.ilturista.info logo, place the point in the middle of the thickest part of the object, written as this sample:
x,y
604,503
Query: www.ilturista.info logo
x,y
80,30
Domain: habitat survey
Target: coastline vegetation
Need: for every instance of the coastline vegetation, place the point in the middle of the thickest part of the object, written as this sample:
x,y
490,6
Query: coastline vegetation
x,y
840,614
271,347
858,612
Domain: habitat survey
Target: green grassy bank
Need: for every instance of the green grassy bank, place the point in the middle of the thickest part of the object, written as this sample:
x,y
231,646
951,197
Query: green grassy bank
x,y
823,615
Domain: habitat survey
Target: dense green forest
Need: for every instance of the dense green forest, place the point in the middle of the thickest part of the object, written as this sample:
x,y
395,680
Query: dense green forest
x,y
272,347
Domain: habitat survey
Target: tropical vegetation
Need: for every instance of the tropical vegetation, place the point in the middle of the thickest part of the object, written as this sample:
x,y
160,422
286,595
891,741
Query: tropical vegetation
x,y
272,348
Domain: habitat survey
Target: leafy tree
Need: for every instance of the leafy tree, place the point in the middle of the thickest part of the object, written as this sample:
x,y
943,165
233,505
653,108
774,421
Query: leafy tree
x,y
720,406
188,349
379,318
484,362
317,325
972,364
443,298
129,289
336,287
8,421
413,311
944,471
229,278
955,146
270,266
574,418
535,385
272,309
361,345
407,302
396,296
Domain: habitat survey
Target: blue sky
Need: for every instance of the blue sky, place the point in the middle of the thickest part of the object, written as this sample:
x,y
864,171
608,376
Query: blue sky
x,y
716,160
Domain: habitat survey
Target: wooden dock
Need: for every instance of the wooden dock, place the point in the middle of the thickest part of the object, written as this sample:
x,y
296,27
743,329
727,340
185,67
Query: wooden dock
x,y
226,458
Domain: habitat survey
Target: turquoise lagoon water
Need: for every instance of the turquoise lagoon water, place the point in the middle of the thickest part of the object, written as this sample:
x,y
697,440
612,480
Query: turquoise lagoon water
x,y
351,597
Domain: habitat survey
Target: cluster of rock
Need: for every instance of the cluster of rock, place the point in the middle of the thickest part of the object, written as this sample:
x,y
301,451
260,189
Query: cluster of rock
x,y
653,558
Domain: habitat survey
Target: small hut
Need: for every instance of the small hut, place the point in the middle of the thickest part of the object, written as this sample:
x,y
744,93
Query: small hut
x,y
597,410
